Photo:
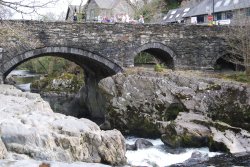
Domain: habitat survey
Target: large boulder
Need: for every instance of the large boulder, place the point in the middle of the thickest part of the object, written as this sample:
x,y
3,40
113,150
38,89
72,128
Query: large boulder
x,y
29,127
196,130
185,109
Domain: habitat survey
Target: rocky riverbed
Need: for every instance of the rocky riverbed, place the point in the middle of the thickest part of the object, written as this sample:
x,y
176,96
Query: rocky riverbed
x,y
29,129
183,109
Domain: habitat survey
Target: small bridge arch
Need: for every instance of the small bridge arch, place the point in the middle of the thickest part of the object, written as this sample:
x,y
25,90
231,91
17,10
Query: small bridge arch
x,y
158,50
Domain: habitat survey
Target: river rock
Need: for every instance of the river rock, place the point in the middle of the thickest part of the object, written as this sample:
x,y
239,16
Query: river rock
x,y
139,144
185,109
29,127
130,147
142,144
32,163
197,158
3,151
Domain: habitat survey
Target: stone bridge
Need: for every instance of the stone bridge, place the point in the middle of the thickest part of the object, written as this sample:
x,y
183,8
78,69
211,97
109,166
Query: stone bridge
x,y
105,49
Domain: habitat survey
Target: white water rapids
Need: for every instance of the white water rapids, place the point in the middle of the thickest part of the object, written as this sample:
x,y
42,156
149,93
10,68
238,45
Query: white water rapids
x,y
157,156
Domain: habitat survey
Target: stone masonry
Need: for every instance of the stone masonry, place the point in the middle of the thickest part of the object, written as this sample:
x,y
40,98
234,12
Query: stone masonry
x,y
104,49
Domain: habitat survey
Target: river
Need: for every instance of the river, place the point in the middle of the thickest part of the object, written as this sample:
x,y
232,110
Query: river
x,y
157,156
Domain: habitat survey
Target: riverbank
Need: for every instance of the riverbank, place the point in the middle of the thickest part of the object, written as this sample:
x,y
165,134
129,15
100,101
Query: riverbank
x,y
31,130
184,109
179,107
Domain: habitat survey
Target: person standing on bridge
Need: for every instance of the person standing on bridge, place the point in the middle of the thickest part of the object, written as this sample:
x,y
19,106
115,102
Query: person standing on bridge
x,y
75,17
141,19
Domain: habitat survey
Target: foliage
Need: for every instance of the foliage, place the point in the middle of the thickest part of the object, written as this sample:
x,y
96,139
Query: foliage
x,y
150,9
238,39
239,76
143,58
172,4
52,66
159,67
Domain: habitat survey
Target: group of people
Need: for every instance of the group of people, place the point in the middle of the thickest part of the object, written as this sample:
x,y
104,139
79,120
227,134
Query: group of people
x,y
122,18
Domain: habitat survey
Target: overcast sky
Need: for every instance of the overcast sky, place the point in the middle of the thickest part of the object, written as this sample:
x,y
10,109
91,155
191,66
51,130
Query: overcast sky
x,y
57,9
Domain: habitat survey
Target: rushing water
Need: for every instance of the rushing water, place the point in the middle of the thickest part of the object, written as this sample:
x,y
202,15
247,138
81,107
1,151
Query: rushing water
x,y
157,156
160,155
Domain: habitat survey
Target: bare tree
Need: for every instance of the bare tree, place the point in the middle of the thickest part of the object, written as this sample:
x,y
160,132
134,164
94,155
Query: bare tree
x,y
10,35
238,39
149,9
25,6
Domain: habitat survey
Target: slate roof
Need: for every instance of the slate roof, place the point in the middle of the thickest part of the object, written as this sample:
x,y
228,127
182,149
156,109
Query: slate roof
x,y
176,14
219,6
108,4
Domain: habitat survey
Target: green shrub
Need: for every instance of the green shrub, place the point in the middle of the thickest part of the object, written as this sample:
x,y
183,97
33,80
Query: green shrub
x,y
159,67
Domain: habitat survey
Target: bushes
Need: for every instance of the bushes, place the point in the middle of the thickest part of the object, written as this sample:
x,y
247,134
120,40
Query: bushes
x,y
159,67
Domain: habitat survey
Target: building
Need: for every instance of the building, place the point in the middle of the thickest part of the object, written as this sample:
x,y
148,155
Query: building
x,y
224,12
176,15
107,8
75,9
205,12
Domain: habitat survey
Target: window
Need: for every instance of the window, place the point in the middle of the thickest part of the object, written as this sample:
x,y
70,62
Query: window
x,y
200,19
248,11
229,15
218,16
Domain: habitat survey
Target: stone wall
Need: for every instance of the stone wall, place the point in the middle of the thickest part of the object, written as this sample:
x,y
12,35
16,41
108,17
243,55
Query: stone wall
x,y
189,47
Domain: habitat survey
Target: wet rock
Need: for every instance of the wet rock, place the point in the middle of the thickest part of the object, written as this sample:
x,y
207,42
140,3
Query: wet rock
x,y
186,110
3,151
142,144
130,147
10,80
197,157
196,130
29,127
105,126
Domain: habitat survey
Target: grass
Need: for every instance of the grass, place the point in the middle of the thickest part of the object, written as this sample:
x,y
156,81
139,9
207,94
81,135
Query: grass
x,y
230,75
238,76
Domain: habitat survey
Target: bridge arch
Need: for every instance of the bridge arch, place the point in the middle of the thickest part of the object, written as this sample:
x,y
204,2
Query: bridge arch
x,y
159,51
89,61
223,63
95,67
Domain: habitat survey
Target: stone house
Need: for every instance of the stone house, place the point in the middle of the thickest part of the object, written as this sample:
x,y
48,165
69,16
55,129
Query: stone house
x,y
107,8
223,11
74,8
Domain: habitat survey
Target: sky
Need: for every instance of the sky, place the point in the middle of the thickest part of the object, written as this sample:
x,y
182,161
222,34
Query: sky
x,y
57,9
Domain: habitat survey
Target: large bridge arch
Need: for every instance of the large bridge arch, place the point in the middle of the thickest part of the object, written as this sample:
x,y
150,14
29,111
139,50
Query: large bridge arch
x,y
92,62
95,67
158,50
